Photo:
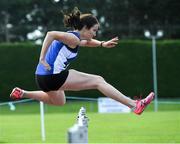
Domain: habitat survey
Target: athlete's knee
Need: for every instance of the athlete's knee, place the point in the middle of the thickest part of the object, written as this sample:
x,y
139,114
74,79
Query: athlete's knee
x,y
58,102
99,80
57,99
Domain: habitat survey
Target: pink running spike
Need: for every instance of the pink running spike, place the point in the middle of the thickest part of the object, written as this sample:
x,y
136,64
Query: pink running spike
x,y
16,93
142,104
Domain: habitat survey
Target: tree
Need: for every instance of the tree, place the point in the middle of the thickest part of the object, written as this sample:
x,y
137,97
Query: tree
x,y
126,18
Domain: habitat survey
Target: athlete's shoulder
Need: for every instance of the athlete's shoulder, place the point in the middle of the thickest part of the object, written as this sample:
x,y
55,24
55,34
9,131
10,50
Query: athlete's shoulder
x,y
73,39
75,33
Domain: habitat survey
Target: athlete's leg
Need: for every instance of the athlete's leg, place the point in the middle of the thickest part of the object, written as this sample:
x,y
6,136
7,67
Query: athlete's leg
x,y
81,81
51,97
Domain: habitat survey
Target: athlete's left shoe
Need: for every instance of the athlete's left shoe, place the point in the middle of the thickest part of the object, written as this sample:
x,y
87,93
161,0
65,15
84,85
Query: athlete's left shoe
x,y
142,104
16,93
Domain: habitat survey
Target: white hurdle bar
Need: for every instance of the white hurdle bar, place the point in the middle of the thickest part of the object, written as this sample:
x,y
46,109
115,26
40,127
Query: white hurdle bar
x,y
78,133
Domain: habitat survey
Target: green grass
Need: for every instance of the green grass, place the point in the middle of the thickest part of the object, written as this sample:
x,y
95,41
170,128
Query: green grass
x,y
23,124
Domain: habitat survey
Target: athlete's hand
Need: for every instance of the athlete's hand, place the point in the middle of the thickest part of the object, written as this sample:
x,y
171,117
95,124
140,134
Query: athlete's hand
x,y
111,43
45,64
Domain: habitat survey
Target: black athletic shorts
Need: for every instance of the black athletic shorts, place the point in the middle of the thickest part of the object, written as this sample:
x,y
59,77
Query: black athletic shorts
x,y
51,82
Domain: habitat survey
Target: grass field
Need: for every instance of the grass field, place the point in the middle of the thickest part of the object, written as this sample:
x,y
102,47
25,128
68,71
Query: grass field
x,y
23,124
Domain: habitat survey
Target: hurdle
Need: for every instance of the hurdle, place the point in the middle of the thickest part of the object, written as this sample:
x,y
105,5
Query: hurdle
x,y
78,133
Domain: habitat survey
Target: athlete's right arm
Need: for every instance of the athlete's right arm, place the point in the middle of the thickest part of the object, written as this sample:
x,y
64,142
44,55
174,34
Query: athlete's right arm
x,y
67,38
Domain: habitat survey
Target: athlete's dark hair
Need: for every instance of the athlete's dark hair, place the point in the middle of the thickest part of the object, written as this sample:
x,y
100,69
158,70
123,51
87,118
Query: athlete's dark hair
x,y
77,21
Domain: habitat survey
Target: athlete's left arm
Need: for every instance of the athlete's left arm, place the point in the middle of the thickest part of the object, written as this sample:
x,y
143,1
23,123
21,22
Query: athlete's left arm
x,y
95,43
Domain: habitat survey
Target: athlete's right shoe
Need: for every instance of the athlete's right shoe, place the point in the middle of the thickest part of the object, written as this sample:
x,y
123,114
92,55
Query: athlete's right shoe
x,y
16,93
142,104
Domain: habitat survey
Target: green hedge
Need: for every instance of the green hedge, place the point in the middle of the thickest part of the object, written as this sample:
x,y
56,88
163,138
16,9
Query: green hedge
x,y
18,62
128,67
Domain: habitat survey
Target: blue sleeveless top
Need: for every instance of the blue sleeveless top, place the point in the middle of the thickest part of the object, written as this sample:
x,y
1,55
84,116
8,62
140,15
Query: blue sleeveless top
x,y
58,57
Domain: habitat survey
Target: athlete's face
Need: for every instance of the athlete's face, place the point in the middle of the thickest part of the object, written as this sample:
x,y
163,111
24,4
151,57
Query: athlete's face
x,y
90,33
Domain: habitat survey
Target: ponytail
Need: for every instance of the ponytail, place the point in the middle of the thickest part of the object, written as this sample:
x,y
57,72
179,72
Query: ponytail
x,y
73,19
77,21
